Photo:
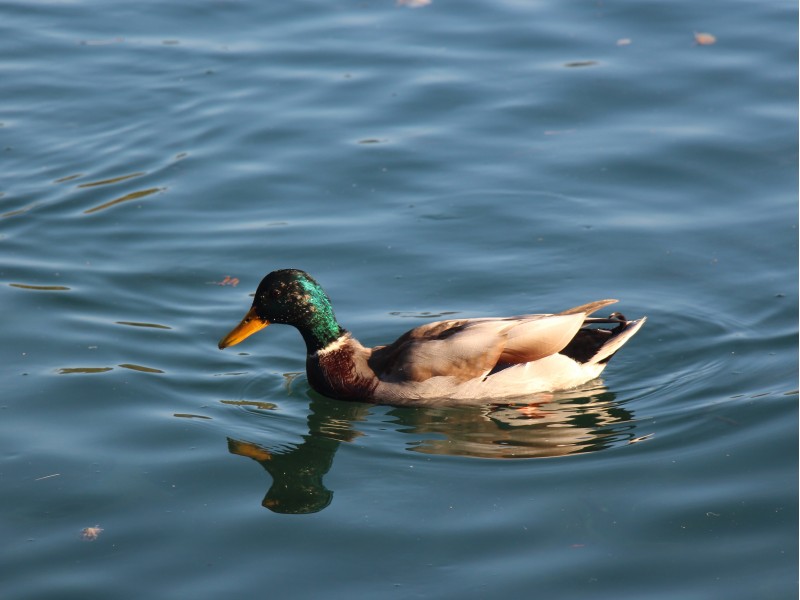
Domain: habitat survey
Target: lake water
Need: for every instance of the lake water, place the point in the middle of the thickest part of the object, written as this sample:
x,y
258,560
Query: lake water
x,y
470,158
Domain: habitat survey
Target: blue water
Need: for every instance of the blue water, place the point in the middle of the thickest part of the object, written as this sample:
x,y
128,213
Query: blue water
x,y
478,158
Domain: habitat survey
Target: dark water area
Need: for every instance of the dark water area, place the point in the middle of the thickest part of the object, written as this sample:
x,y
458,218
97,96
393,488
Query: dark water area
x,y
454,159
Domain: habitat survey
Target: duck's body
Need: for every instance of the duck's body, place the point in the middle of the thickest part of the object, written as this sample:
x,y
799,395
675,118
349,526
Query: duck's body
x,y
461,360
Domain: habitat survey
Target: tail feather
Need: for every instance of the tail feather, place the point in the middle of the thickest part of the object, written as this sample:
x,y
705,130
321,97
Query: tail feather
x,y
589,308
607,350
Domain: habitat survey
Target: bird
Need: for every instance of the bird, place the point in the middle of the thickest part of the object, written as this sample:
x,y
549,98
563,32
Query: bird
x,y
470,360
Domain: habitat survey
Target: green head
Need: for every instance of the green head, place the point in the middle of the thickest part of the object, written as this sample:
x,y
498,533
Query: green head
x,y
290,297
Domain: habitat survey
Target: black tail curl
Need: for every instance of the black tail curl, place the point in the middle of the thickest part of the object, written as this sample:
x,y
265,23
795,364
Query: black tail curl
x,y
588,341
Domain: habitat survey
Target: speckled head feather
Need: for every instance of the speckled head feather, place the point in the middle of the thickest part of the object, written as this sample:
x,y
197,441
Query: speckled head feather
x,y
293,297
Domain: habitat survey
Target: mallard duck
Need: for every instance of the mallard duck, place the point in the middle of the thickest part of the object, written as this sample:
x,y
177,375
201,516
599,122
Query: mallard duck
x,y
464,360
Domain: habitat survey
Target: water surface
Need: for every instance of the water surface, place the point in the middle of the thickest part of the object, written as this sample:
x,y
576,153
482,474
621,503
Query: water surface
x,y
488,158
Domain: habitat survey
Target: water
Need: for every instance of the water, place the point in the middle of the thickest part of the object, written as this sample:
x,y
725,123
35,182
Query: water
x,y
481,159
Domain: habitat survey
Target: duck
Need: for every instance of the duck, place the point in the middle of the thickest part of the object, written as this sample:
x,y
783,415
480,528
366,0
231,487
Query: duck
x,y
469,360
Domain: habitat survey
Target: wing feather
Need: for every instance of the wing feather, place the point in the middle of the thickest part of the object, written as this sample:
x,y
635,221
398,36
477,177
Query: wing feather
x,y
535,338
466,349
462,349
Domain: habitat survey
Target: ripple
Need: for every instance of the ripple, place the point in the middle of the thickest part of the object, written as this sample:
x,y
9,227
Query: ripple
x,y
581,63
19,211
41,288
423,315
125,198
68,178
137,324
252,403
108,181
84,370
140,368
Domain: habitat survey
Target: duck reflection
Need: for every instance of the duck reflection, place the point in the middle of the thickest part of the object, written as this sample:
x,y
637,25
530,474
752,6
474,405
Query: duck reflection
x,y
553,425
297,486
585,420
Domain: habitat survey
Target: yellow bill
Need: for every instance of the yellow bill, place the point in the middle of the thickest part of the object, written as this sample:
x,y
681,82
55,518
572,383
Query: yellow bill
x,y
249,325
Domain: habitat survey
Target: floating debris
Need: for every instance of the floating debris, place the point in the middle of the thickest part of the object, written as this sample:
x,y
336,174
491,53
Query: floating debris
x,y
190,416
231,281
704,39
413,3
624,42
90,534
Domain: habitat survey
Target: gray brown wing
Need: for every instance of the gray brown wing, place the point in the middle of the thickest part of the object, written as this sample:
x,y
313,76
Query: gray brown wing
x,y
463,349
470,348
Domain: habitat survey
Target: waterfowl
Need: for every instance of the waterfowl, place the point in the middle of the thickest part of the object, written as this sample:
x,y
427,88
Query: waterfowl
x,y
464,360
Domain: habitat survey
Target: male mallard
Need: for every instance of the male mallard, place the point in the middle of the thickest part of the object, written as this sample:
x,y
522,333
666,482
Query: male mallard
x,y
463,360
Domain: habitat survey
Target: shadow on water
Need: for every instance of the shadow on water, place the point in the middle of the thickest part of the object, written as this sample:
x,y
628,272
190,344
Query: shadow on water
x,y
586,420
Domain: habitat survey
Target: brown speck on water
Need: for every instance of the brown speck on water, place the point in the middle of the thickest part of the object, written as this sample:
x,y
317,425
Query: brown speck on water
x,y
90,534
